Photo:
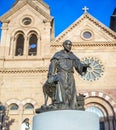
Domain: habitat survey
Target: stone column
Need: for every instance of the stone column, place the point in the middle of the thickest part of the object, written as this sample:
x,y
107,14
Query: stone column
x,y
20,116
106,123
38,46
4,36
111,123
26,46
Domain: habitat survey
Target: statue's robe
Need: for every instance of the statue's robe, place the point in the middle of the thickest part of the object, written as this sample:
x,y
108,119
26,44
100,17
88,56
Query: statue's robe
x,y
61,69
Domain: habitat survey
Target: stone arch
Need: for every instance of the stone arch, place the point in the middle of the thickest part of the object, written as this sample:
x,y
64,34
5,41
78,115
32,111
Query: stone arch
x,y
13,106
34,30
16,101
101,104
28,106
106,104
13,101
33,42
27,112
19,41
29,100
17,33
103,96
16,47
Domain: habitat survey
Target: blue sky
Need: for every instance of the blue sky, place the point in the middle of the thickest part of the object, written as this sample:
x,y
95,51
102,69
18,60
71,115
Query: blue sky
x,y
65,12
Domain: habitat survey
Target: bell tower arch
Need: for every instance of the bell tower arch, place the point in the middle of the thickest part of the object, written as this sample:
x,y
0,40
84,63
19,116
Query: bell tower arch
x,y
27,29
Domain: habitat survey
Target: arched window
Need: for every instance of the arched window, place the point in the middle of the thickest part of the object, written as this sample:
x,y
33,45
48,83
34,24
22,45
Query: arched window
x,y
19,45
32,45
95,110
28,106
99,113
13,106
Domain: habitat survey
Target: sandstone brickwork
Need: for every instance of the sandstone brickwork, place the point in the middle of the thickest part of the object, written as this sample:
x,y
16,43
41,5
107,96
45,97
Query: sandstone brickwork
x,y
23,74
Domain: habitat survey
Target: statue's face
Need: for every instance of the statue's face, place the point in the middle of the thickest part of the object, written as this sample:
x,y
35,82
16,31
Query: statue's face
x,y
68,46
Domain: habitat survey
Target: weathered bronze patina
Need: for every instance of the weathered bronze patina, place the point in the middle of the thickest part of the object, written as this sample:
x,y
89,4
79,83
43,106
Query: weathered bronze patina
x,y
60,85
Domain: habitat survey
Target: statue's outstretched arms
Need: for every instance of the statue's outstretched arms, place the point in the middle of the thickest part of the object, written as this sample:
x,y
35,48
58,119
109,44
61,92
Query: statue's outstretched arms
x,y
80,67
84,69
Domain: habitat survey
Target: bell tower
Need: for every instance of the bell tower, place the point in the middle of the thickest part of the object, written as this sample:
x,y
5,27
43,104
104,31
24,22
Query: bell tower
x,y
27,29
113,21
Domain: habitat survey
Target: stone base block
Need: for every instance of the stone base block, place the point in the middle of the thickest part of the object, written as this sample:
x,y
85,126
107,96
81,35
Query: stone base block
x,y
66,120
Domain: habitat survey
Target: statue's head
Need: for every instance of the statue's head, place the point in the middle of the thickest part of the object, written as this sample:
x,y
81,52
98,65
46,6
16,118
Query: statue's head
x,y
67,45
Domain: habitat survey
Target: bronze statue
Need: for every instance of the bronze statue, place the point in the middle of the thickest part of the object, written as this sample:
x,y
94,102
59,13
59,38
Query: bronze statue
x,y
60,85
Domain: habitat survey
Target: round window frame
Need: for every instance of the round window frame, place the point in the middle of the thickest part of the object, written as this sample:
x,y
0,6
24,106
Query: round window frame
x,y
94,69
26,21
84,31
24,17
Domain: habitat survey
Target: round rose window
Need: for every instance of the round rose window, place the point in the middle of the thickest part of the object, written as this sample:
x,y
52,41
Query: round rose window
x,y
95,71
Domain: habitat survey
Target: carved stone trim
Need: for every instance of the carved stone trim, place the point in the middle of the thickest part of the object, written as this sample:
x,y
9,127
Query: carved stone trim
x,y
42,2
39,70
82,44
17,6
95,21
40,11
102,95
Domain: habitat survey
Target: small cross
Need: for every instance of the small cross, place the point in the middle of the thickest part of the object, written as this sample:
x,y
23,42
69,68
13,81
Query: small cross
x,y
85,9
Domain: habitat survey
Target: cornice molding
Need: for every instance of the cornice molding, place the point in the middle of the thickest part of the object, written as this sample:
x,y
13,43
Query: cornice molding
x,y
19,5
79,20
21,58
23,70
40,1
99,24
42,12
44,3
87,44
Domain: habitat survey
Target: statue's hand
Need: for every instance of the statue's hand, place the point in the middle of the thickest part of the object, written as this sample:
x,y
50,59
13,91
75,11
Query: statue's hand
x,y
85,66
88,65
50,79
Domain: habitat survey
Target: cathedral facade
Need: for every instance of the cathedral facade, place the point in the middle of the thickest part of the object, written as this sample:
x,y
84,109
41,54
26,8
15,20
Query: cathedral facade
x,y
27,45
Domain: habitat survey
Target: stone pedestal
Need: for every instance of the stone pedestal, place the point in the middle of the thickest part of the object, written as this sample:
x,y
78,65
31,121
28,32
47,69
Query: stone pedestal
x,y
66,120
